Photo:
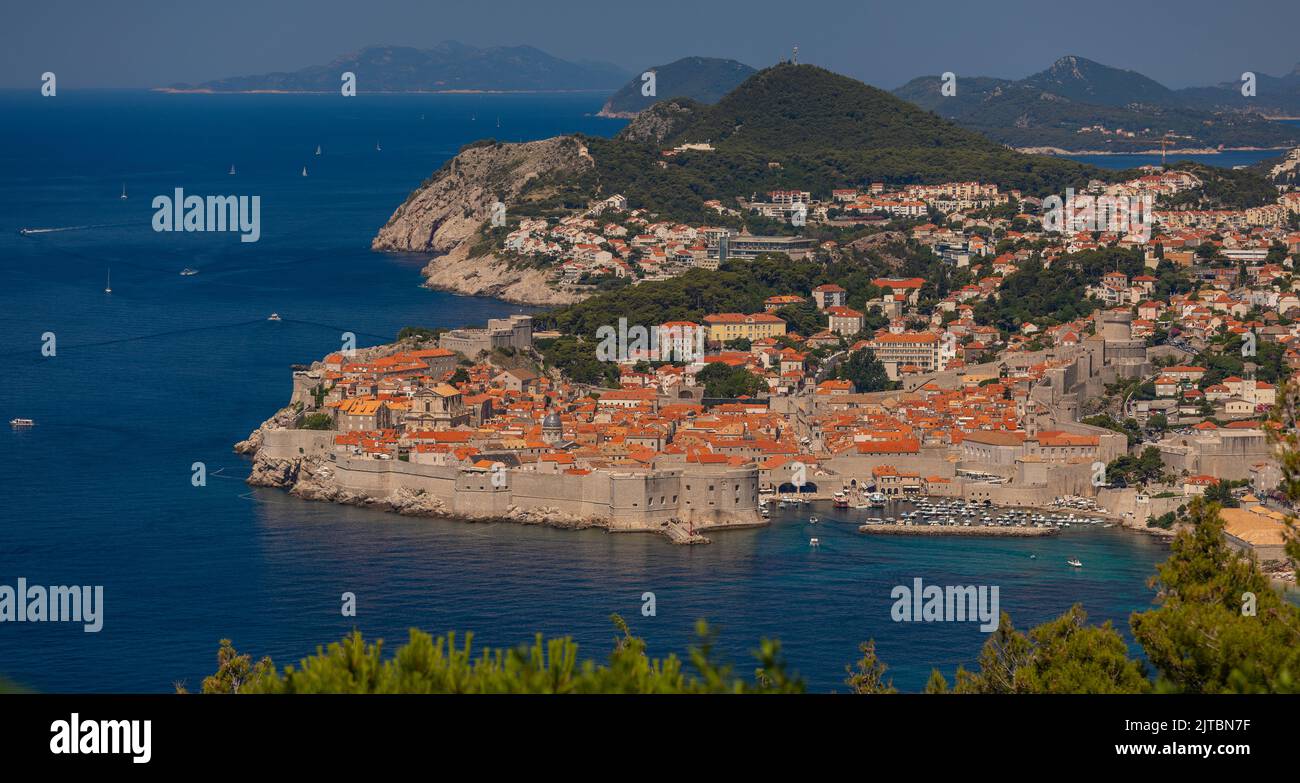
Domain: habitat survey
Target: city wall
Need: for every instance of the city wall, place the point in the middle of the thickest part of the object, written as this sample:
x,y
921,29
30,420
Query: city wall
x,y
706,497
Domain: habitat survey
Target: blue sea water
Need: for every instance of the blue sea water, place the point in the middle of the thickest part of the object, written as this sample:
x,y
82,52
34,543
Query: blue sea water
x,y
168,370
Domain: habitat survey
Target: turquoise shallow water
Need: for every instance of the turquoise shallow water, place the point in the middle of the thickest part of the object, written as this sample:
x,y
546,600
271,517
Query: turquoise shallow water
x,y
170,370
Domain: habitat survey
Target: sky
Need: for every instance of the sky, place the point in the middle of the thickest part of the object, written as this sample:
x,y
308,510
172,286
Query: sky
x,y
149,43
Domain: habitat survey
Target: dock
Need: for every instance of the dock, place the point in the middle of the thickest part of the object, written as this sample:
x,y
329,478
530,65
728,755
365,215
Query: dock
x,y
991,531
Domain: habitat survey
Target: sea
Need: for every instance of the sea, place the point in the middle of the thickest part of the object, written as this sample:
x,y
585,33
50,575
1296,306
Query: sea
x,y
132,390
1226,159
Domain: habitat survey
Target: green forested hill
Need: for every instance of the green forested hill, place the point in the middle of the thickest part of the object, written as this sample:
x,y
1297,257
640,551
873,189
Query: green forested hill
x,y
1049,108
800,126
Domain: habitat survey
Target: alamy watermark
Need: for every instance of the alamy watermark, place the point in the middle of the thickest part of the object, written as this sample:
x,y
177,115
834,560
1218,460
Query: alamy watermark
x,y
665,343
94,737
180,212
951,604
54,604
1126,215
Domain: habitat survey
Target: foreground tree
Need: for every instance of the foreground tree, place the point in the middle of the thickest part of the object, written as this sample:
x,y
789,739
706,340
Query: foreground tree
x,y
1220,627
448,665
1065,655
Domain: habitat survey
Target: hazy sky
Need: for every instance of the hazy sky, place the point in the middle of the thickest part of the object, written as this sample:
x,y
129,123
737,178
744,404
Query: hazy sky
x,y
107,43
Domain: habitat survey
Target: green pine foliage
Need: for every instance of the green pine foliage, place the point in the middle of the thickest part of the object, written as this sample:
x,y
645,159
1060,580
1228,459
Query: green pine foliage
x,y
449,664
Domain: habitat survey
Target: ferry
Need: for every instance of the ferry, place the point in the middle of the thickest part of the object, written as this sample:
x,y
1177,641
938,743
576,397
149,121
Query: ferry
x,y
21,423
273,317
188,272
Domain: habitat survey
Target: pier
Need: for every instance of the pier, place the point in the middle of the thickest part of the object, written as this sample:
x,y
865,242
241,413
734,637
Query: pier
x,y
959,530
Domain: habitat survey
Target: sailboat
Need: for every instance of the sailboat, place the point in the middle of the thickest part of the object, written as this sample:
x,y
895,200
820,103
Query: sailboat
x,y
304,171
318,150
377,147
123,196
108,282
232,169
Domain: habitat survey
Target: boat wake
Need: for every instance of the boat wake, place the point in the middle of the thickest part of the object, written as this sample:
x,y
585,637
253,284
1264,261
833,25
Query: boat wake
x,y
57,229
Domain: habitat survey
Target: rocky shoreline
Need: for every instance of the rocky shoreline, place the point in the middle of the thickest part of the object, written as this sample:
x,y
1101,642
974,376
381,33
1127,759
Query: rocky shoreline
x,y
1188,151
445,216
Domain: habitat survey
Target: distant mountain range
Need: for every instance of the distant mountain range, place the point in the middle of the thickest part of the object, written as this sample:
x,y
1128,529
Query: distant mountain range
x,y
449,66
1078,104
704,79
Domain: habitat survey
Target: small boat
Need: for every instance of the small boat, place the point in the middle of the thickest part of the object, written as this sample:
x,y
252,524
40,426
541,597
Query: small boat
x,y
123,196
1074,562
318,150
812,520
21,423
189,271
273,317
1033,557
232,169
304,171
108,282
378,148
814,542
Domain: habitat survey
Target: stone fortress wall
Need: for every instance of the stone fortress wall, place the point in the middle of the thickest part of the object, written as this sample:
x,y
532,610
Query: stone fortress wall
x,y
705,497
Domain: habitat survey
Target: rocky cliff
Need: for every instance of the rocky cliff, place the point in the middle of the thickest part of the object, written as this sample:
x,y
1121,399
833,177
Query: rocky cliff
x,y
660,121
446,213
